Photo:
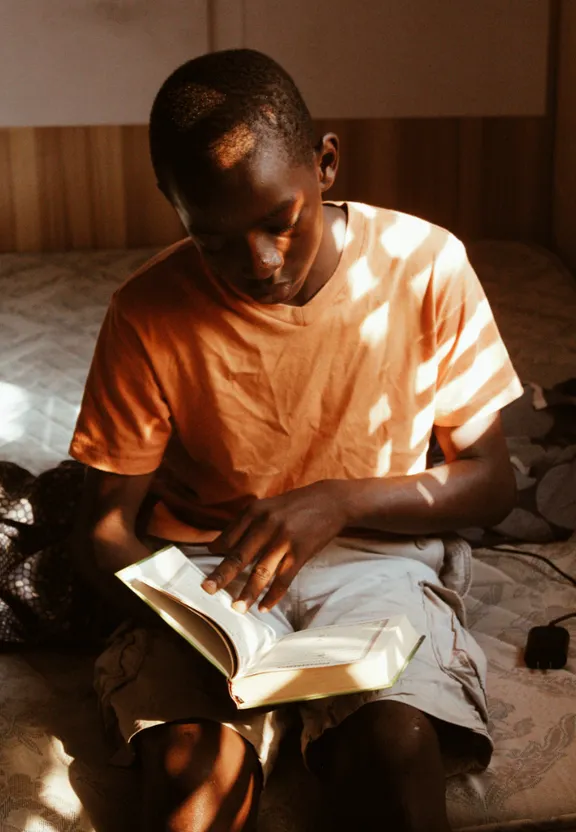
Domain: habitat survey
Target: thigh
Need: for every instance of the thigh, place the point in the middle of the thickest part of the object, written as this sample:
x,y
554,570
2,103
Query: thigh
x,y
151,677
446,677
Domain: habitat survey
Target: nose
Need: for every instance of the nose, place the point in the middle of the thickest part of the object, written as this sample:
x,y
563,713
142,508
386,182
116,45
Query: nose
x,y
264,257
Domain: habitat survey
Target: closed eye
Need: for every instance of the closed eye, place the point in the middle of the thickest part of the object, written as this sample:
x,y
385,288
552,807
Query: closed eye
x,y
284,229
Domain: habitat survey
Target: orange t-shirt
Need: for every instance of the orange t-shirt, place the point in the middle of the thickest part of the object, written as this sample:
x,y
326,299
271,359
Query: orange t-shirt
x,y
228,399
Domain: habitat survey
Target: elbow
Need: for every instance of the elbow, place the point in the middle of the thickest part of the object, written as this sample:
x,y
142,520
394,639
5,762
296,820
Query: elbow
x,y
502,495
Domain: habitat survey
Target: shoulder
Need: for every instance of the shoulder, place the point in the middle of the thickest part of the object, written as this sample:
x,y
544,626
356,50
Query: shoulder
x,y
163,284
404,237
411,255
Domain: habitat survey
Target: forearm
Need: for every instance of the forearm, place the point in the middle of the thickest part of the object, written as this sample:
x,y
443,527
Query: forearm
x,y
465,492
96,557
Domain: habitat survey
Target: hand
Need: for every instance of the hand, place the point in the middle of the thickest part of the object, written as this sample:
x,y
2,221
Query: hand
x,y
279,535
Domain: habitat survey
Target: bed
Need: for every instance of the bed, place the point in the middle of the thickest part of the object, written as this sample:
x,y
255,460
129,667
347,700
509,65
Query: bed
x,y
54,772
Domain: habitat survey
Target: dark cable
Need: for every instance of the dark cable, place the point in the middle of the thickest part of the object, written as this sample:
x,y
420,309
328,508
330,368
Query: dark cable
x,y
510,550
562,618
534,555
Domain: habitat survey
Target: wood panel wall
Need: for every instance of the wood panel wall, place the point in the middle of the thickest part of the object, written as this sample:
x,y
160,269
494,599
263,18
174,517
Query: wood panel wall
x,y
92,187
564,208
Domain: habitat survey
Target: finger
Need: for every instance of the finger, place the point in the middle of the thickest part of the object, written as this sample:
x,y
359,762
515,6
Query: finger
x,y
261,539
285,574
261,575
234,531
226,571
255,541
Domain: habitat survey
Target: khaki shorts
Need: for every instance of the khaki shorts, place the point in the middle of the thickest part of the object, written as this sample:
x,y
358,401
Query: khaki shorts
x,y
148,677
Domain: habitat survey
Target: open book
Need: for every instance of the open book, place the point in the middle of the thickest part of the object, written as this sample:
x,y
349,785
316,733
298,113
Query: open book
x,y
261,667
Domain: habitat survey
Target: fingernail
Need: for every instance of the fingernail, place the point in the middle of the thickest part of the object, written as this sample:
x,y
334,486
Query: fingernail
x,y
240,606
210,586
264,609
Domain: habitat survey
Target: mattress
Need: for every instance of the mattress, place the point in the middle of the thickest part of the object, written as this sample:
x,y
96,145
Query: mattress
x,y
53,757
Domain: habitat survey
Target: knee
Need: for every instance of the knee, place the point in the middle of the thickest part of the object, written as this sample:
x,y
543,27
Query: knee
x,y
198,771
190,750
385,737
188,754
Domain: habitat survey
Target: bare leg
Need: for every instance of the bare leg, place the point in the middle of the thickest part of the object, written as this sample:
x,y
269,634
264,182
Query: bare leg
x,y
198,777
382,770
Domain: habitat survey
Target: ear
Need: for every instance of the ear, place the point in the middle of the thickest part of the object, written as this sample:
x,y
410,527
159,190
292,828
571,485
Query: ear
x,y
327,157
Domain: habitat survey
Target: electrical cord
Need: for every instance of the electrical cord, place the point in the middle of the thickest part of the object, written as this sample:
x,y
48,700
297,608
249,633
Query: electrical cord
x,y
562,618
565,575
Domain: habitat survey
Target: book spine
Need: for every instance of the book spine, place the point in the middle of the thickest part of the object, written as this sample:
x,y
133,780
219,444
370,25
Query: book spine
x,y
238,701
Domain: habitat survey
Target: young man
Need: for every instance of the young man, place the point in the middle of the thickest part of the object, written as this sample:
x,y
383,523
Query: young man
x,y
263,394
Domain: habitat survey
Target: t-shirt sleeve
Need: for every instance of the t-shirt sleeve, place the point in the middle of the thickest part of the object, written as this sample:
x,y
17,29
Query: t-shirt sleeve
x,y
475,375
124,423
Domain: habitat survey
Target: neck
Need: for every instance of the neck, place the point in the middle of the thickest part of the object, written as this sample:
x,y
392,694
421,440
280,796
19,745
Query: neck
x,y
329,253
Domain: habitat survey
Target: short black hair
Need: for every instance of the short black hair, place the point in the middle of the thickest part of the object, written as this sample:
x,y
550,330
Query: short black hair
x,y
207,97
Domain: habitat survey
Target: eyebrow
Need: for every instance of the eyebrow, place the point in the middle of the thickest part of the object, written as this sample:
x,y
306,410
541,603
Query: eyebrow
x,y
275,212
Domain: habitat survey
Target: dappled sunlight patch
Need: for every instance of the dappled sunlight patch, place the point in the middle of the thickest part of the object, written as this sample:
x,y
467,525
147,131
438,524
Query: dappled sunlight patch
x,y
426,375
339,231
375,326
41,795
361,279
379,414
228,150
56,771
486,365
403,237
421,425
425,493
419,463
452,256
14,402
384,459
367,210
443,350
420,282
494,403
470,335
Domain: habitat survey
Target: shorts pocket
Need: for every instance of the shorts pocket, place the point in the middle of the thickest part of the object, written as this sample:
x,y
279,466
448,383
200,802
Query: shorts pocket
x,y
455,649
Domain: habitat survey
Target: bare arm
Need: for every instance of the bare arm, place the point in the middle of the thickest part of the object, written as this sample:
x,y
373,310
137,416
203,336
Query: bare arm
x,y
474,487
104,538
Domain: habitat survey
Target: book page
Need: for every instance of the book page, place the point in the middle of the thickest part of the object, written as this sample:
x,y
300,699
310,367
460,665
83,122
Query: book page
x,y
329,661
172,573
323,646
198,632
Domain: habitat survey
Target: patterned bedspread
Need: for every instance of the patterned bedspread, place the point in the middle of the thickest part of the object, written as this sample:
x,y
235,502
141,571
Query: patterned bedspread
x,y
53,757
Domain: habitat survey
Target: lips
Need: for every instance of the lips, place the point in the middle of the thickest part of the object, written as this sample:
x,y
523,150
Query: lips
x,y
271,294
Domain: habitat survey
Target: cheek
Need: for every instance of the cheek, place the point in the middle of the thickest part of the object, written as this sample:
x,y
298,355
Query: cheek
x,y
304,248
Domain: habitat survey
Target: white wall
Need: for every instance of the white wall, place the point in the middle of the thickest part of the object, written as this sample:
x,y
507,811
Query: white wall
x,y
92,61
101,61
402,58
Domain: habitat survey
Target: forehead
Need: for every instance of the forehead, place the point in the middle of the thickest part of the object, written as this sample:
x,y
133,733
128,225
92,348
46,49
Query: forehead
x,y
229,198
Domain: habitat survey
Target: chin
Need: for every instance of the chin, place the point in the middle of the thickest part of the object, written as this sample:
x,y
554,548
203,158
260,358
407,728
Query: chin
x,y
285,294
